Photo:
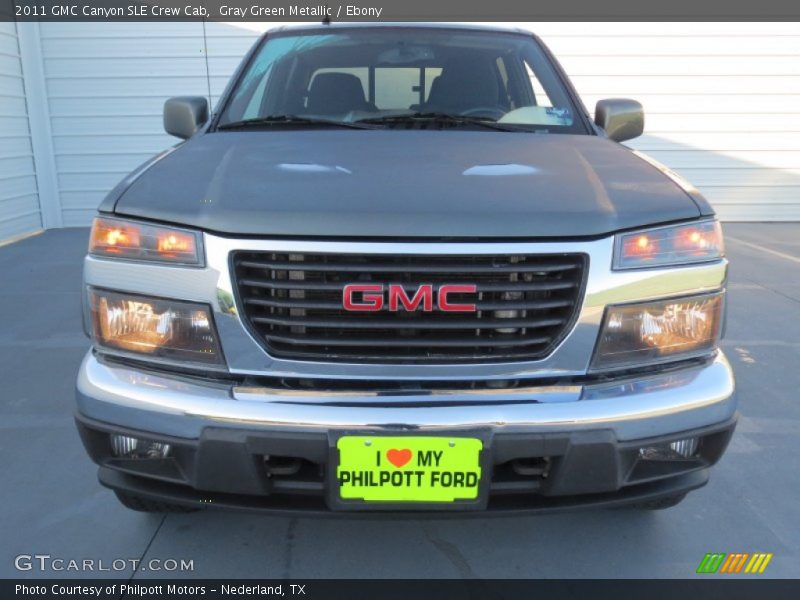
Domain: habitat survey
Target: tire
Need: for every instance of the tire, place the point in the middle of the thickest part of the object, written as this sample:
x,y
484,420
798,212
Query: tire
x,y
661,503
140,504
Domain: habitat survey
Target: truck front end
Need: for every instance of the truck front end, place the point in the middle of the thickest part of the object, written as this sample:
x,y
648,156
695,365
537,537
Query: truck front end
x,y
373,298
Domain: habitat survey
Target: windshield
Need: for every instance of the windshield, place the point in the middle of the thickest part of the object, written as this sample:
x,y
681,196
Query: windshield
x,y
392,77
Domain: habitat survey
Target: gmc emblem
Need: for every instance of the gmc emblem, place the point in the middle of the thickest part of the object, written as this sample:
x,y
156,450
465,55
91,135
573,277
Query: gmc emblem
x,y
373,297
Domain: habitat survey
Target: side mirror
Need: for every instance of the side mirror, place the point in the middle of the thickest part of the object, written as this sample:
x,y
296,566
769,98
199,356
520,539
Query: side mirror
x,y
184,115
621,118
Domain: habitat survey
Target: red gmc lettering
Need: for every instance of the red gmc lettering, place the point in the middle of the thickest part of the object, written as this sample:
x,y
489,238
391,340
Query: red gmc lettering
x,y
423,295
456,289
371,297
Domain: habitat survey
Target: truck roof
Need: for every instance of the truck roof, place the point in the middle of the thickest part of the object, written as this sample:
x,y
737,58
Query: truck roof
x,y
319,26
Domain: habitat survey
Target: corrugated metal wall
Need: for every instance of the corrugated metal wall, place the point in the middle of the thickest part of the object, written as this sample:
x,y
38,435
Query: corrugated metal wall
x,y
721,101
106,85
19,201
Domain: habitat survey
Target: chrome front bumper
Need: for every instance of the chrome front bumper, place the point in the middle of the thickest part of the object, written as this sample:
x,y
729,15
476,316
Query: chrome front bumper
x,y
632,408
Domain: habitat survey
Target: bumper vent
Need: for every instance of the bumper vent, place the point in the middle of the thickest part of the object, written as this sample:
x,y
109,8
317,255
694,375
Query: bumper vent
x,y
525,305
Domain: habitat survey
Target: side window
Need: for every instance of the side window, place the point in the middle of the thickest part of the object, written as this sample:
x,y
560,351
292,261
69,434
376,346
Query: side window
x,y
396,88
542,99
431,73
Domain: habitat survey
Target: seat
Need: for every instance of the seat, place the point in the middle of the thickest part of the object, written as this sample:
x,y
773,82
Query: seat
x,y
336,94
463,85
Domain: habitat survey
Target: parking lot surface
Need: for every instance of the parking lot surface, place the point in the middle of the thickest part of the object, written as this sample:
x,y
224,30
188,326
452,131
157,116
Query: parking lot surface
x,y
52,503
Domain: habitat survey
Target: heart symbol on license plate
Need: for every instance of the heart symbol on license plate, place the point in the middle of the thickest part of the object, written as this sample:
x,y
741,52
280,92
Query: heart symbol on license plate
x,y
398,457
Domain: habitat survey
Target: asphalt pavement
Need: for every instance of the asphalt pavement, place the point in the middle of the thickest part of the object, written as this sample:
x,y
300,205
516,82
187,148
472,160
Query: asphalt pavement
x,y
52,504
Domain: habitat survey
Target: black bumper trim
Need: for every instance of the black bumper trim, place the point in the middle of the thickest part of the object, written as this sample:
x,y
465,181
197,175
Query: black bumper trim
x,y
229,467
283,505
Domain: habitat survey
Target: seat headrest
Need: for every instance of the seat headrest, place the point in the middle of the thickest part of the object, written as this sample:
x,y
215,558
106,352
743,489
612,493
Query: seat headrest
x,y
464,84
335,93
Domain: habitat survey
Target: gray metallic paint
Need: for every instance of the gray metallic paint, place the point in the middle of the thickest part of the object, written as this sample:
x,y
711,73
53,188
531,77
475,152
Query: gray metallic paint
x,y
403,184
622,119
184,115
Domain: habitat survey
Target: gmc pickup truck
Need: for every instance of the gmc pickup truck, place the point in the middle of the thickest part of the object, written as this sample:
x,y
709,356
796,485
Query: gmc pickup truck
x,y
400,268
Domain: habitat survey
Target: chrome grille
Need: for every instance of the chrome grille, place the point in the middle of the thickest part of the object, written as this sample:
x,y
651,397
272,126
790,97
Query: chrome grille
x,y
292,303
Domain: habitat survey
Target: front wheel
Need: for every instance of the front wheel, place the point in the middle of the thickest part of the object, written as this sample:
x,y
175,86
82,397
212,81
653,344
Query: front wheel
x,y
141,504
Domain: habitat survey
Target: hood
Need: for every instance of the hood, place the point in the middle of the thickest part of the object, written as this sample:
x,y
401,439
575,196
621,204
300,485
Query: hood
x,y
390,183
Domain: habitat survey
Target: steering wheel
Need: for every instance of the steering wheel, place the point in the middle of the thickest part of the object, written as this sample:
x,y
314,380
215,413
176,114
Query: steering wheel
x,y
494,112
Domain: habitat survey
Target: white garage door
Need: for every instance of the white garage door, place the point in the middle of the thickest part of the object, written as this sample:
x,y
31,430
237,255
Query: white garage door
x,y
721,100
19,201
106,85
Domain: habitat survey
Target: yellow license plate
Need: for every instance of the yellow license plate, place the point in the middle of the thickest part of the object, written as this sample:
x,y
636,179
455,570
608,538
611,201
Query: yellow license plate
x,y
408,469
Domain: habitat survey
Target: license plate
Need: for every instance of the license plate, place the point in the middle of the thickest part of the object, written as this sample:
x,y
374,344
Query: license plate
x,y
408,468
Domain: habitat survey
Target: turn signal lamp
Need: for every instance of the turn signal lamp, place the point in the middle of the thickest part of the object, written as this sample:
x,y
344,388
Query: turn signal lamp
x,y
667,246
118,238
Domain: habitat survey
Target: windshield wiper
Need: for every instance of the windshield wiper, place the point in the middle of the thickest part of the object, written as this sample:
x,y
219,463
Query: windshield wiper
x,y
439,118
290,120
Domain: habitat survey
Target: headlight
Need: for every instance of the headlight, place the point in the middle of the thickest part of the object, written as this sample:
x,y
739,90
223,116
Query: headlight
x,y
636,334
139,241
163,329
673,245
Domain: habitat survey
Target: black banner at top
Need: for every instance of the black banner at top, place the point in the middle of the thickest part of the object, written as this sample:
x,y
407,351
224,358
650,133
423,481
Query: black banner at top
x,y
400,10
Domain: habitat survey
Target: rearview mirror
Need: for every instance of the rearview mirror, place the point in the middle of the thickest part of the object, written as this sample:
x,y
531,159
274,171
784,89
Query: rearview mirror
x,y
622,119
184,115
